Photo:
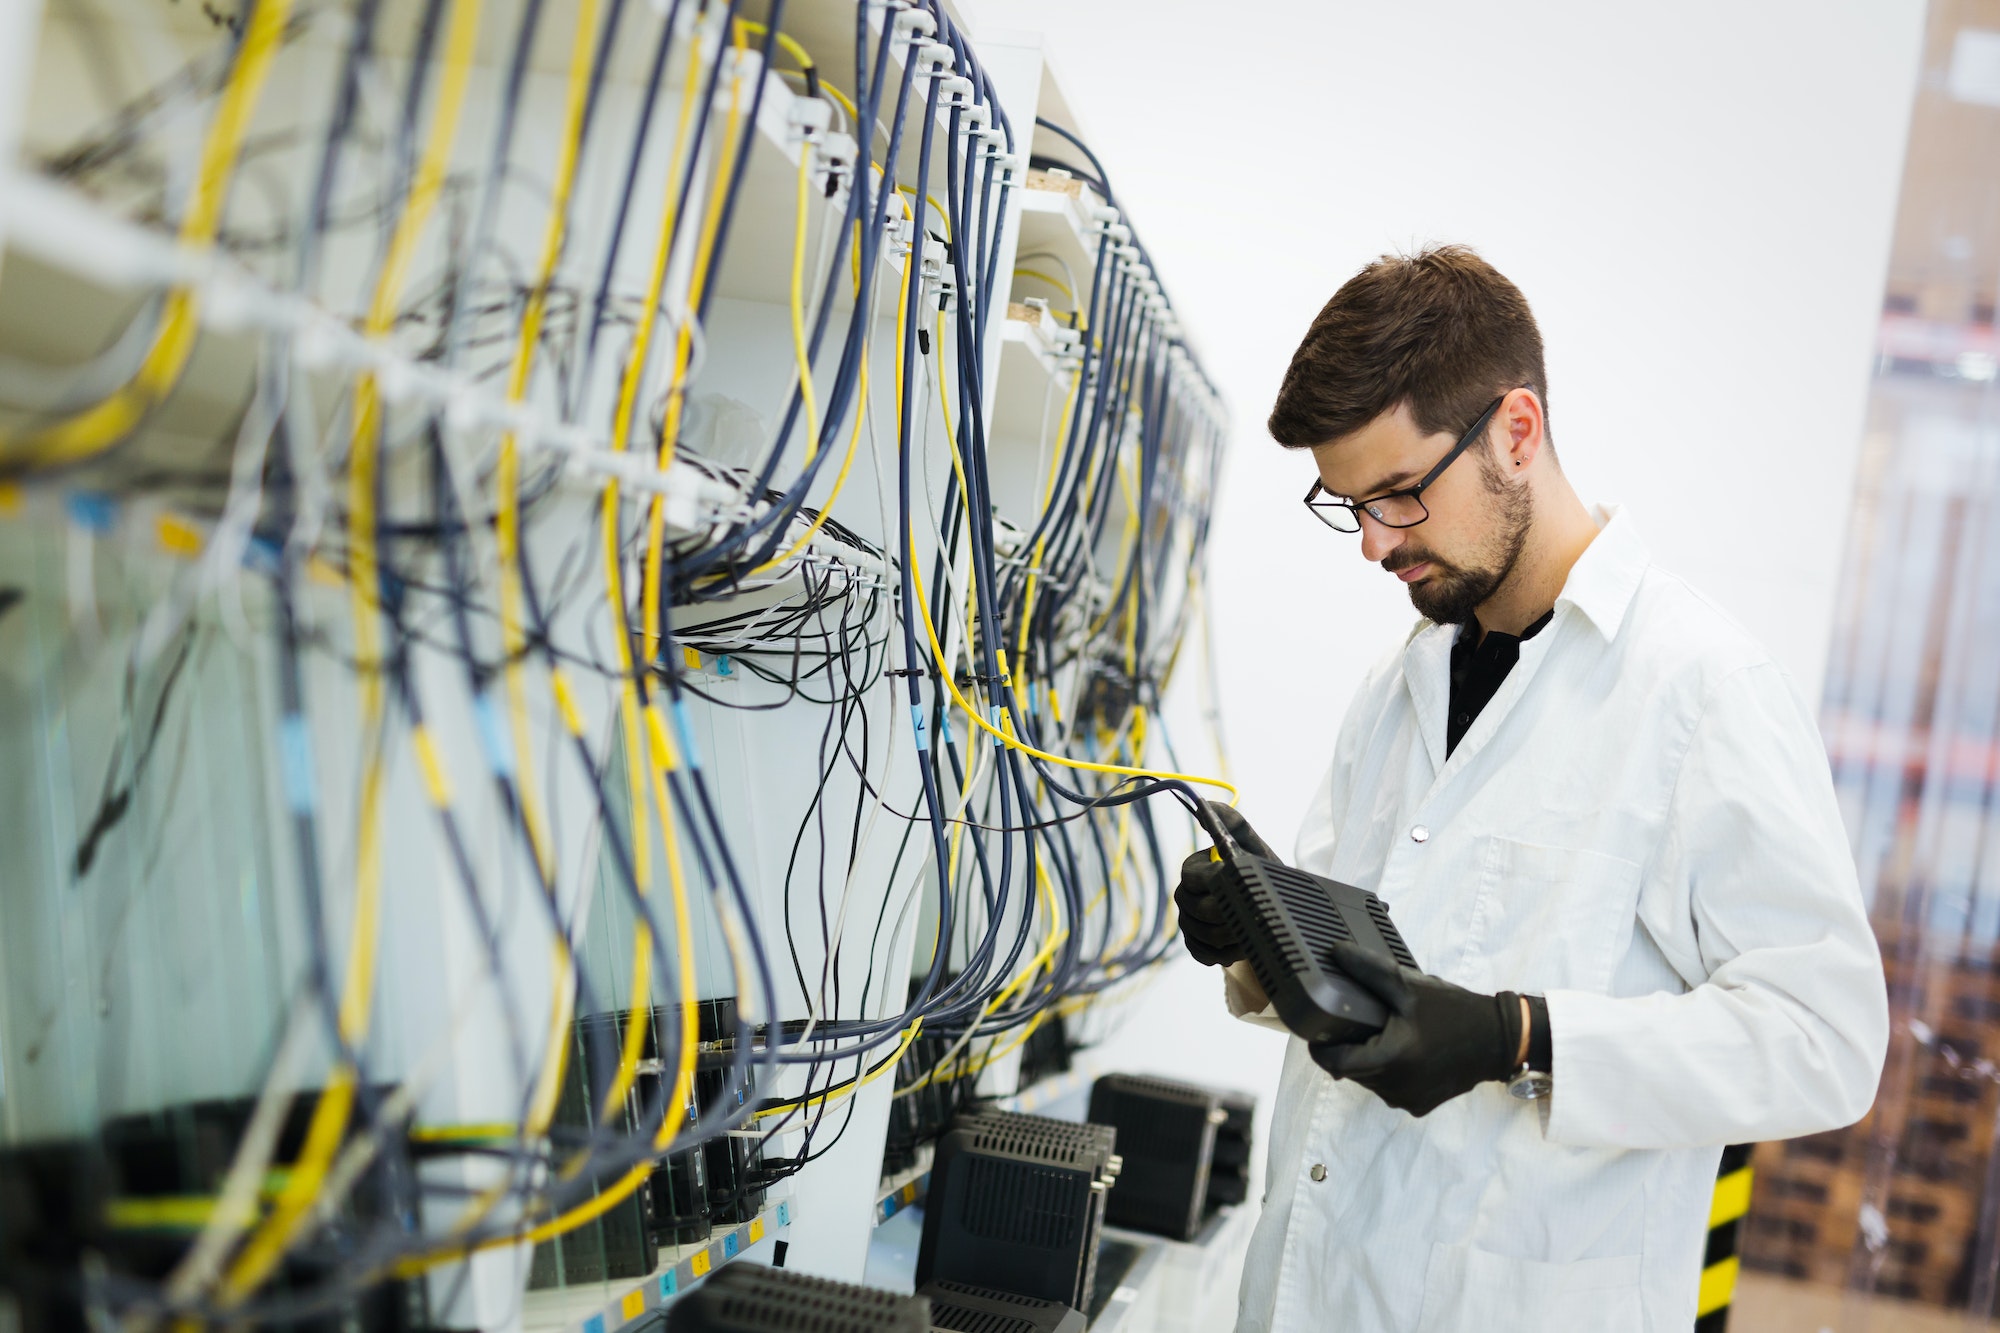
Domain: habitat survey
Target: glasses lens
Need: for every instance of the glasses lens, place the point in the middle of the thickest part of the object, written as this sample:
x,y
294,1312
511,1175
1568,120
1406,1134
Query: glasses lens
x,y
1335,515
1397,511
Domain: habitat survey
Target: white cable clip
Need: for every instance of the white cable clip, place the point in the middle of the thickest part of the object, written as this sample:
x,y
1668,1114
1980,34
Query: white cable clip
x,y
933,260
957,91
227,302
810,117
462,408
1106,216
933,60
913,21
318,343
973,124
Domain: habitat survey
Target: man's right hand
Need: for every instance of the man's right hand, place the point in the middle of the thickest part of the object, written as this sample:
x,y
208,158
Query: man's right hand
x,y
1203,927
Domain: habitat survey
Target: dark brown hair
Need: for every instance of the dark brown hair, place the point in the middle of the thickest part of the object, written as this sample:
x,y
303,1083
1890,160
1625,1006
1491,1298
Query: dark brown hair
x,y
1441,330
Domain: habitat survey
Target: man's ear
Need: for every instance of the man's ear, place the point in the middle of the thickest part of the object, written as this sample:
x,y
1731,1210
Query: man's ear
x,y
1523,429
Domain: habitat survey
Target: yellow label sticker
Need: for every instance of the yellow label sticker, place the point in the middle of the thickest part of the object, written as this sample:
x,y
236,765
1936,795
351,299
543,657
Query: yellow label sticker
x,y
178,536
432,766
566,703
909,1192
634,1303
756,1229
692,658
663,749
10,497
700,1264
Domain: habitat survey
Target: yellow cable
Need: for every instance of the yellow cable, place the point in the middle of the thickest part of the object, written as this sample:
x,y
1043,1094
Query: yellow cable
x,y
1051,280
848,1090
839,480
806,392
656,522
944,218
1008,739
786,43
507,516
98,427
266,1246
625,1185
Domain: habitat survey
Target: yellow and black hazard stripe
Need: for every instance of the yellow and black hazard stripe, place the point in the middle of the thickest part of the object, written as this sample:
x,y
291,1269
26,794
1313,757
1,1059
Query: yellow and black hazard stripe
x,y
1725,1220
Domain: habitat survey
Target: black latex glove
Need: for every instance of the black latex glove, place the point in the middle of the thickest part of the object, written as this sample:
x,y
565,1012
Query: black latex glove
x,y
1204,929
1440,1041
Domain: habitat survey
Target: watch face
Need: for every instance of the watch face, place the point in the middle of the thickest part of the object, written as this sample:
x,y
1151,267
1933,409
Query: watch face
x,y
1530,1085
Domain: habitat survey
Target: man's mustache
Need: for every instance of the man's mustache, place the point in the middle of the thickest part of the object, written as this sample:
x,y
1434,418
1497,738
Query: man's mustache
x,y
1403,558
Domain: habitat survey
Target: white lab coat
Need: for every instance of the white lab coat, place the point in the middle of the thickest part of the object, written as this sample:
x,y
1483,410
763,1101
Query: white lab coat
x,y
1640,826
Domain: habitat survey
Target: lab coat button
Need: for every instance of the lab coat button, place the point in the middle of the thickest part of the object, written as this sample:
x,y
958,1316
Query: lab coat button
x,y
1319,1171
1420,834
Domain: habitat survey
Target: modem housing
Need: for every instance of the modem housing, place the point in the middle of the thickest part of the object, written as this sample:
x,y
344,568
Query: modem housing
x,y
1287,918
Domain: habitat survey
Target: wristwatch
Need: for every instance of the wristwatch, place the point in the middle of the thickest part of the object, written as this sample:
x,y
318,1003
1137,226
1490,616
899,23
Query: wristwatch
x,y
1530,1085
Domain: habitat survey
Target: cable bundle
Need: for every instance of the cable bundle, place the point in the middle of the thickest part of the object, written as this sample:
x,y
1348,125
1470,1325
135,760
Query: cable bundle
x,y
485,514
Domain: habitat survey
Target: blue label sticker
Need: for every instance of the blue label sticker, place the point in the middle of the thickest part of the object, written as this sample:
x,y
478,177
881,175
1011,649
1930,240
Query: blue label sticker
x,y
295,757
261,554
689,755
994,714
88,509
498,752
723,666
888,1209
784,1214
669,1283
729,1246
917,714
594,1324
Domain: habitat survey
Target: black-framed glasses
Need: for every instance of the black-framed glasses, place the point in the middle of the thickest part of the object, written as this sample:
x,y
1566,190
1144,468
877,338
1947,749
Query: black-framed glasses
x,y
1396,509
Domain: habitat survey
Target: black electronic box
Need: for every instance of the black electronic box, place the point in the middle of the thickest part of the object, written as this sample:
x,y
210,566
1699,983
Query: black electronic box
x,y
959,1308
749,1298
1286,919
1017,1204
1167,1138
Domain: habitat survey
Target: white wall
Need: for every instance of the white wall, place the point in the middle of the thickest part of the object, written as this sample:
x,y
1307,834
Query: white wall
x,y
1695,198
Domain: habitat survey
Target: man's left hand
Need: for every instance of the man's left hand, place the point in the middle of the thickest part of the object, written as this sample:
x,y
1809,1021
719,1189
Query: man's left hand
x,y
1440,1041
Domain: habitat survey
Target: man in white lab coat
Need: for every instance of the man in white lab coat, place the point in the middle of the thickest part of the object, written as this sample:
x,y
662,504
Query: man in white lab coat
x,y
1602,818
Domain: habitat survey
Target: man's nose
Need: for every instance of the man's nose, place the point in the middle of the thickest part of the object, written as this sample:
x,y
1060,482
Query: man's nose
x,y
1377,541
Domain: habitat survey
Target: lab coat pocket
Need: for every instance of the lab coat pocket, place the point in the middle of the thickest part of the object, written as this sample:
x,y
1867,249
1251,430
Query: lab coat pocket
x,y
1470,1290
1549,918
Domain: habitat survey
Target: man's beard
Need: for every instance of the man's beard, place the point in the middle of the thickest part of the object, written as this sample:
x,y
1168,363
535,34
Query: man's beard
x,y
1450,593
